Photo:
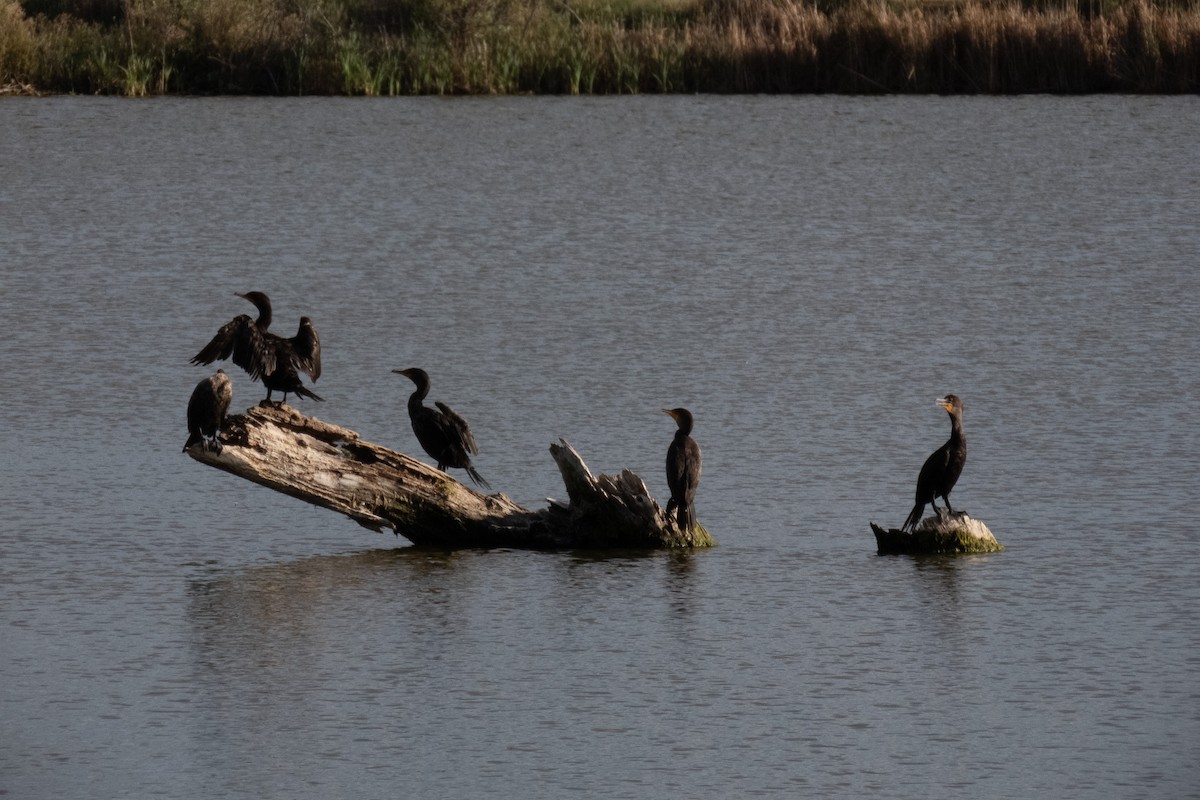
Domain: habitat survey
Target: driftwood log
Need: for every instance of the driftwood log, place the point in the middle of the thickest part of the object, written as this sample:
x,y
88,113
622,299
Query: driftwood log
x,y
330,466
952,533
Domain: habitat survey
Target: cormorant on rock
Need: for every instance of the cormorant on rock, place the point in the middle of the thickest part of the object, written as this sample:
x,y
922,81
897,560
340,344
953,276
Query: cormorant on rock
x,y
941,470
683,469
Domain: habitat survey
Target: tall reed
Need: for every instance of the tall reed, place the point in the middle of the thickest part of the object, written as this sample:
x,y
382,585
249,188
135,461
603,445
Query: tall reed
x,y
381,47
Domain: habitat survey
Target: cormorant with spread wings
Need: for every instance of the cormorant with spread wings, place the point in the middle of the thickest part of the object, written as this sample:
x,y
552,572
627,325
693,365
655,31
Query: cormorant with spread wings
x,y
274,360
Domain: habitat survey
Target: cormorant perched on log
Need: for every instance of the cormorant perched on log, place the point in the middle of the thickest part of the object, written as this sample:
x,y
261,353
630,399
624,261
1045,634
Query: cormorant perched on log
x,y
273,359
206,410
683,469
941,470
443,434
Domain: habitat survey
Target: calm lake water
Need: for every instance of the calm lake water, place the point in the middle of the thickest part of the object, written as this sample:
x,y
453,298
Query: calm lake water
x,y
806,274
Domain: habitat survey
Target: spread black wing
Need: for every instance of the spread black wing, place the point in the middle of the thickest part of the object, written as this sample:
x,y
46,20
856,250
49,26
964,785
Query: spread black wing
x,y
306,349
240,339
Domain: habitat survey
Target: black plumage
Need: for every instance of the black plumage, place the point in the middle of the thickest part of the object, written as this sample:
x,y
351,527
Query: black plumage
x,y
207,409
941,470
275,360
683,469
443,434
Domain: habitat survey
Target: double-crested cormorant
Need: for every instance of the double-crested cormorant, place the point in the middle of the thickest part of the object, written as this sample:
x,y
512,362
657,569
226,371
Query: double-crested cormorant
x,y
683,469
443,434
941,470
273,359
207,409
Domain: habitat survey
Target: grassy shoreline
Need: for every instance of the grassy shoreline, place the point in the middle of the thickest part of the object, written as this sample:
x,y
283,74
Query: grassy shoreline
x,y
385,47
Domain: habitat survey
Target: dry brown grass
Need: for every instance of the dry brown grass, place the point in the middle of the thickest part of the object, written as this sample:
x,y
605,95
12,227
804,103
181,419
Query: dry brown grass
x,y
600,46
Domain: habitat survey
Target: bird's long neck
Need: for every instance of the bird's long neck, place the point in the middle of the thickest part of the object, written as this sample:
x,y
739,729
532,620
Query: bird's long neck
x,y
956,429
416,399
264,312
685,429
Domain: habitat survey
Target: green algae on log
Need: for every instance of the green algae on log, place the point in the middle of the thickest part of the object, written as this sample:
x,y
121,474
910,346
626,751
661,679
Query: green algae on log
x,y
330,466
956,533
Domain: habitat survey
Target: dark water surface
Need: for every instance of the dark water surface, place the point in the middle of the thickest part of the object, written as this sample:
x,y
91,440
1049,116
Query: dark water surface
x,y
807,275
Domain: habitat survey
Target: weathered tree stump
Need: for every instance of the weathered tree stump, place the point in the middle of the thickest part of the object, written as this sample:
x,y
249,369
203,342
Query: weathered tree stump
x,y
955,533
330,466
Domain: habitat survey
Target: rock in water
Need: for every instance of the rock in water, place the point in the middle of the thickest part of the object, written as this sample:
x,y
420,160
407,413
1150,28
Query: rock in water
x,y
956,533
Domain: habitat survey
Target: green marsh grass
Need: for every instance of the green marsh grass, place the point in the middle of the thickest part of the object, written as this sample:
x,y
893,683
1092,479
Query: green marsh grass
x,y
384,47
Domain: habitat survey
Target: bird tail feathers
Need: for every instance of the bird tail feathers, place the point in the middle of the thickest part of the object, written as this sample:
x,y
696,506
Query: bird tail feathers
x,y
477,478
303,392
684,514
687,516
914,517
